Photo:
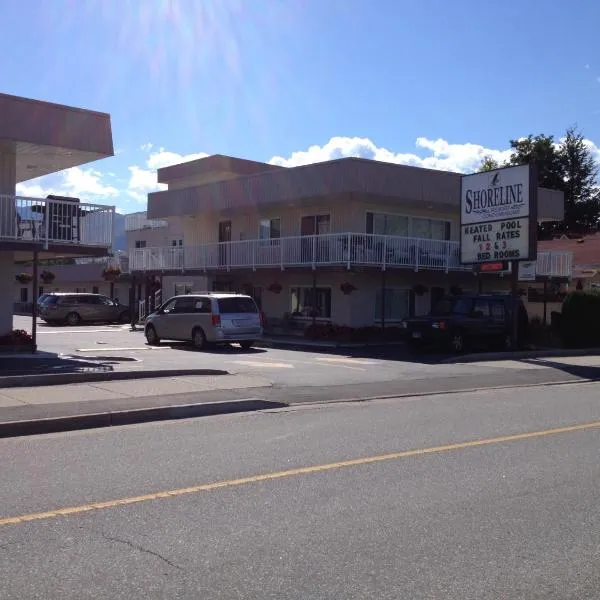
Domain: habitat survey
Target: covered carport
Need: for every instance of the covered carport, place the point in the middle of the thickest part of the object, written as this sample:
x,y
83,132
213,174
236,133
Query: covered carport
x,y
39,138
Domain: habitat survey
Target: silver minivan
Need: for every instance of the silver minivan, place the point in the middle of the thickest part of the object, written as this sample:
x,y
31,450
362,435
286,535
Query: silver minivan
x,y
206,318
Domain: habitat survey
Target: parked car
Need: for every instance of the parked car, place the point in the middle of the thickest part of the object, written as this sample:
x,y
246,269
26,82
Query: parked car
x,y
206,318
457,322
73,309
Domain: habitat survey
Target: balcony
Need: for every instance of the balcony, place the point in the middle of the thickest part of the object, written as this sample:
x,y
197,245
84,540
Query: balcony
x,y
336,249
55,222
554,264
139,221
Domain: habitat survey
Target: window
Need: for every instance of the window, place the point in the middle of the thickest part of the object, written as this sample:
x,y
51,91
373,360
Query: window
x,y
95,289
237,304
382,224
396,304
169,307
482,307
430,229
24,294
498,311
41,290
182,288
386,224
178,243
185,305
270,229
202,305
309,302
140,243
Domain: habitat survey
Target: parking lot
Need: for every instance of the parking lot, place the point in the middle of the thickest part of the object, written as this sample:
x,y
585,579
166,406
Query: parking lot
x,y
115,347
124,349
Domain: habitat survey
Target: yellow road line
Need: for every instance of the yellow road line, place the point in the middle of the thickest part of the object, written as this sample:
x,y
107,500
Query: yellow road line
x,y
207,487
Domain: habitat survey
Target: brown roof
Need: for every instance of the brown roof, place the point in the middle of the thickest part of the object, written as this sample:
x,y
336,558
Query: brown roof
x,y
586,250
214,163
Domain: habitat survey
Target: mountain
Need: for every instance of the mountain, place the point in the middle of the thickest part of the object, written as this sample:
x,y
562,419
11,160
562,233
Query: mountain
x,y
119,237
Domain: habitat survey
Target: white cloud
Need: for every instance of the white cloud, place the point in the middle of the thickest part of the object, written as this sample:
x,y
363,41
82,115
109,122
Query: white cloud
x,y
86,184
146,147
142,181
463,158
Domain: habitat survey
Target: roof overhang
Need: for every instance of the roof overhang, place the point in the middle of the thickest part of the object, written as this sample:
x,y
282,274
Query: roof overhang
x,y
48,138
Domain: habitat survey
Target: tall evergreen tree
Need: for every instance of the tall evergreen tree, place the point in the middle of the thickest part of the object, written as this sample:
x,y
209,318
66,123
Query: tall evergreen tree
x,y
580,171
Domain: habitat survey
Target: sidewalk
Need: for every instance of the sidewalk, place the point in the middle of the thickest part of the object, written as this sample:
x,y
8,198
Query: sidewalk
x,y
27,410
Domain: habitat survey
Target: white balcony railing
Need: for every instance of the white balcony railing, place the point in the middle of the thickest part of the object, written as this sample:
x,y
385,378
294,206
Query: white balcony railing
x,y
138,221
55,221
345,249
554,264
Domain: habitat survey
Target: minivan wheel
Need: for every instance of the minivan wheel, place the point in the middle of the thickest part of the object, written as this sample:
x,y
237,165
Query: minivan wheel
x,y
73,319
151,336
457,342
198,339
247,344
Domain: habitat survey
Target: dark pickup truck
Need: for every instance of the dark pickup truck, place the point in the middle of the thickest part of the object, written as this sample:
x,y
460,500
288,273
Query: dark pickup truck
x,y
458,322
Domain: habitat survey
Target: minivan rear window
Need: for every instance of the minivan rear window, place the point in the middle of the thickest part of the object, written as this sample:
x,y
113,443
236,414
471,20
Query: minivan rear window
x,y
239,304
50,300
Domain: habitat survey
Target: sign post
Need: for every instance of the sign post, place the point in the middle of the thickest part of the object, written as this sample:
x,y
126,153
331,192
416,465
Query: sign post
x,y
498,222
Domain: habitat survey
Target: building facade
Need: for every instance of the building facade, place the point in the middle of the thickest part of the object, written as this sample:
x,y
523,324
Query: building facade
x,y
352,241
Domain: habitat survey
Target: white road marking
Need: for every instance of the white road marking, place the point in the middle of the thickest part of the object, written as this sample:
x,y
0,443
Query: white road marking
x,y
341,366
54,331
122,349
352,361
251,363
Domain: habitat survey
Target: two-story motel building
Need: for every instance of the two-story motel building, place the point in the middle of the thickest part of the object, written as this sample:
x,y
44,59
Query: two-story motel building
x,y
348,240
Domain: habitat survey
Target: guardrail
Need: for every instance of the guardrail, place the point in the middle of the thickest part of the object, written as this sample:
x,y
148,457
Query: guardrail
x,y
55,221
312,250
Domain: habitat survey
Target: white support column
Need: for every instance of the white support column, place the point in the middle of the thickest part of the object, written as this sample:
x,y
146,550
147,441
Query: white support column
x,y
7,276
8,184
8,230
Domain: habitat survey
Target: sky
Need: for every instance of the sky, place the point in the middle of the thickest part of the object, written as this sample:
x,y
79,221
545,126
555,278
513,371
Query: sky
x,y
439,84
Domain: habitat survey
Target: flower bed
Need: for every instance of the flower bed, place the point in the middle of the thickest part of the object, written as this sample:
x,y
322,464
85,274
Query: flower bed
x,y
17,340
343,333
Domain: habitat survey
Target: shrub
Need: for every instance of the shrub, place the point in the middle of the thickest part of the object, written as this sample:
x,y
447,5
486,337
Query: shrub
x,y
17,337
580,321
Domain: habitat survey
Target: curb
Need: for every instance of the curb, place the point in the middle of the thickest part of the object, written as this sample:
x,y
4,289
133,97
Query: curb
x,y
338,345
520,354
131,417
12,381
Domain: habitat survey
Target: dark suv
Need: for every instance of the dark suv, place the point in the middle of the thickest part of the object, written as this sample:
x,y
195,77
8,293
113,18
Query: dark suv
x,y
470,320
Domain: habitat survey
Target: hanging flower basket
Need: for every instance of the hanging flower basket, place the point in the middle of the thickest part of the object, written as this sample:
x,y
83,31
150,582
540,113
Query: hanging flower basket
x,y
420,289
275,288
47,276
347,288
24,278
111,273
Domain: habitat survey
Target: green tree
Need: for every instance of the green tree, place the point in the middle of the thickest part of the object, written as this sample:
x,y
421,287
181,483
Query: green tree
x,y
488,164
580,171
544,152
568,166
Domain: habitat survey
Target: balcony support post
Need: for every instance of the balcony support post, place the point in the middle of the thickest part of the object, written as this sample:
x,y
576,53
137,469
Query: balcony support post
x,y
349,251
281,253
314,297
384,253
34,299
545,301
314,252
383,282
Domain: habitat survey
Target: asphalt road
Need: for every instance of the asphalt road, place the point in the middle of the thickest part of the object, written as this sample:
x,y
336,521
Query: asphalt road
x,y
466,496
